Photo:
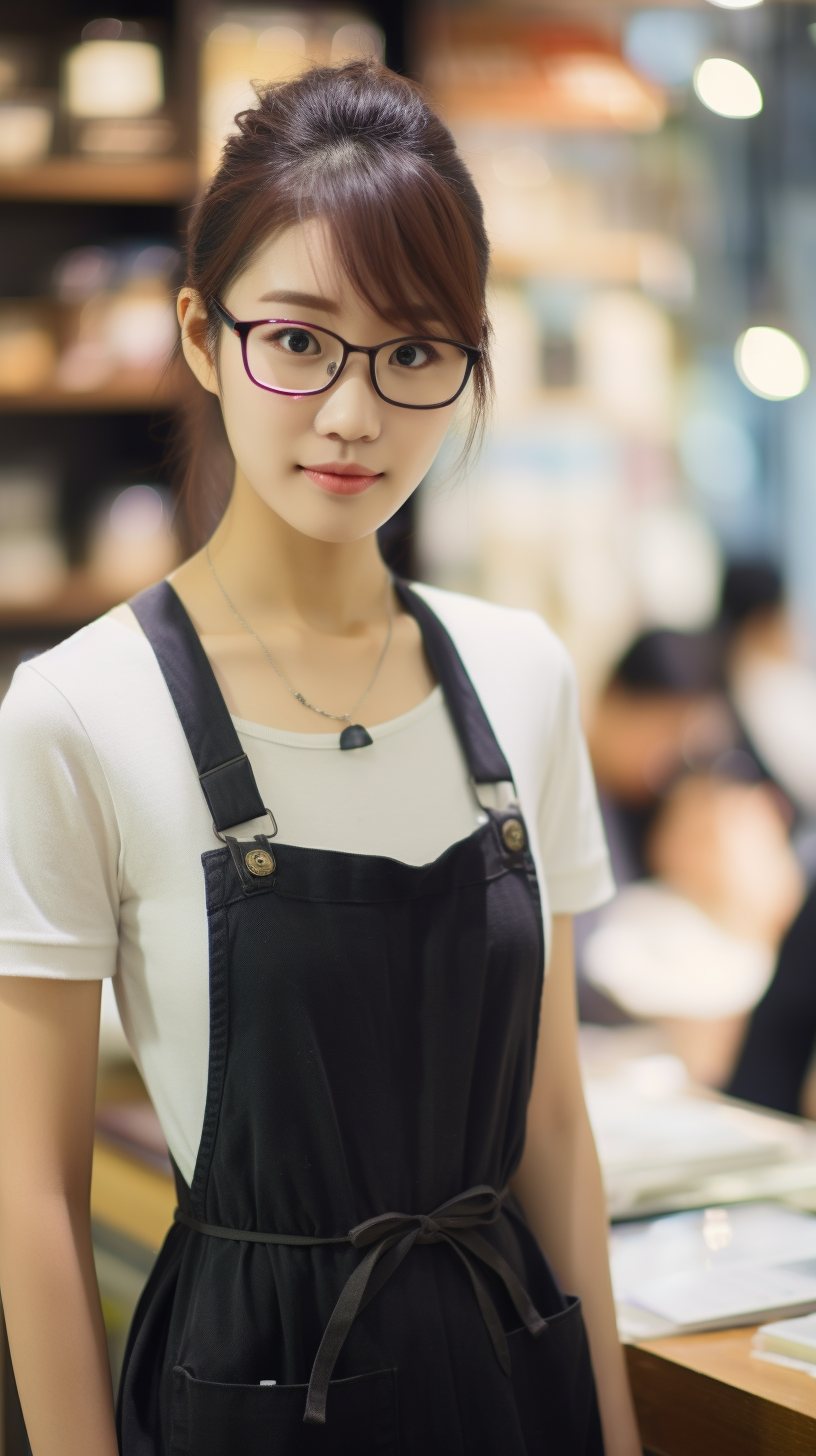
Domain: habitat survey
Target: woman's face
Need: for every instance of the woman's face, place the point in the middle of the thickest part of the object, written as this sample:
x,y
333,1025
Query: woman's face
x,y
299,453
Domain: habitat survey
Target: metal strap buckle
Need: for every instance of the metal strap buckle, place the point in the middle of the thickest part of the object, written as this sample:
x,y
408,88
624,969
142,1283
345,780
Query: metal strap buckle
x,y
225,839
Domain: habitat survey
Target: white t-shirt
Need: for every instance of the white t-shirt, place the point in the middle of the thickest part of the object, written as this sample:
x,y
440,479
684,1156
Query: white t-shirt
x,y
103,822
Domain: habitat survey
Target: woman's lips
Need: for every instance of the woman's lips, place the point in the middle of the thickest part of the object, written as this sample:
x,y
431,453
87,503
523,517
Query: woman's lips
x,y
340,480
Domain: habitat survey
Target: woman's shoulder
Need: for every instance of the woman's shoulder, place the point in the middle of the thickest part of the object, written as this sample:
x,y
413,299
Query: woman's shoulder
x,y
89,677
508,646
523,676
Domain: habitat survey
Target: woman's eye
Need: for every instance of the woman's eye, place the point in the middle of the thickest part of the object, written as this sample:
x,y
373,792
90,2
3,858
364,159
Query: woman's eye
x,y
295,341
413,355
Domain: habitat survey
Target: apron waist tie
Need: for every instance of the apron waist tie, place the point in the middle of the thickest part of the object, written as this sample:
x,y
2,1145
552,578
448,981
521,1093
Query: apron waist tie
x,y
388,1238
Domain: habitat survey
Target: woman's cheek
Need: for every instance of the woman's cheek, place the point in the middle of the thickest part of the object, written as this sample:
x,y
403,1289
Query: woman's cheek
x,y
416,441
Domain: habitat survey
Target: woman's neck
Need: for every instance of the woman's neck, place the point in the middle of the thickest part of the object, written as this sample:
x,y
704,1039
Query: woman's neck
x,y
279,572
321,610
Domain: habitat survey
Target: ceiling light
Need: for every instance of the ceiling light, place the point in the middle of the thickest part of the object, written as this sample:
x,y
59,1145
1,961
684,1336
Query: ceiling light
x,y
735,4
727,88
771,363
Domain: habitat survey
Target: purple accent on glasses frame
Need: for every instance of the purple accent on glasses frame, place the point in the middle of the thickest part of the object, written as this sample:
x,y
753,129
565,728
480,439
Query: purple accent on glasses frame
x,y
243,327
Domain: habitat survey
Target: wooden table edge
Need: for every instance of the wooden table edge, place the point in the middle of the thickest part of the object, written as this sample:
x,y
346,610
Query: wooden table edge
x,y
705,1395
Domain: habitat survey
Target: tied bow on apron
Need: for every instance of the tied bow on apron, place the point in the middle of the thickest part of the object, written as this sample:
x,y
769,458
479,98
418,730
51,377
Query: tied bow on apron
x,y
388,1239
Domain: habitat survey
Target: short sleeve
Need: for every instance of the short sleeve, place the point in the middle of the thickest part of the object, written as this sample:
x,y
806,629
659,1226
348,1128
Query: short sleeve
x,y
59,841
573,845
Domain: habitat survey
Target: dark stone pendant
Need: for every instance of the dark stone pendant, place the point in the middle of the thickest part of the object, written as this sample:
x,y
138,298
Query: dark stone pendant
x,y
355,736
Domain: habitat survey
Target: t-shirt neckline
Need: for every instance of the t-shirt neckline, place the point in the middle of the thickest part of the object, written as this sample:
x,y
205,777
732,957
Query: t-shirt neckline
x,y
431,704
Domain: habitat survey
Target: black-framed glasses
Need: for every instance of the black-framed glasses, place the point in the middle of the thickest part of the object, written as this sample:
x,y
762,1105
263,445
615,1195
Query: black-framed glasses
x,y
288,356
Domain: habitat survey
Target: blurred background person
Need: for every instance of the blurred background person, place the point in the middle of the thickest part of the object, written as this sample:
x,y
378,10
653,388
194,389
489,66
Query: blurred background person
x,y
699,824
693,946
777,1062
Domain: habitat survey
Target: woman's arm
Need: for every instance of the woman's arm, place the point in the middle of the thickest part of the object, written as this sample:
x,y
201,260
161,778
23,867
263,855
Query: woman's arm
x,y
48,1049
559,1185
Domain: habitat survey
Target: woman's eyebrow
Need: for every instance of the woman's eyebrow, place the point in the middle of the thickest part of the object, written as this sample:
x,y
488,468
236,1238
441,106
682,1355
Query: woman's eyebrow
x,y
300,300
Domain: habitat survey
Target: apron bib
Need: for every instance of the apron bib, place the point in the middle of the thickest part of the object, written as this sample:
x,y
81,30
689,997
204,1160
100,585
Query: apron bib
x,y
347,1273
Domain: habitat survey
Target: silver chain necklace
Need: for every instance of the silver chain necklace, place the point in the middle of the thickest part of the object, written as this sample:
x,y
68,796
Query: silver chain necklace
x,y
355,735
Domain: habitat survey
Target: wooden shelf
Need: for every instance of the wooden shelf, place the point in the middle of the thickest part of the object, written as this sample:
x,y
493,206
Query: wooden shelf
x,y
74,179
133,392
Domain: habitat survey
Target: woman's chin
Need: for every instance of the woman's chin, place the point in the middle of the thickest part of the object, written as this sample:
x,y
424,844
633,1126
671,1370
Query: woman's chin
x,y
335,519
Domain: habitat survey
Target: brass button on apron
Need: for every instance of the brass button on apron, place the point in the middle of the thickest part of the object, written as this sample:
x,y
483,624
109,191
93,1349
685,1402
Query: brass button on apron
x,y
259,862
513,835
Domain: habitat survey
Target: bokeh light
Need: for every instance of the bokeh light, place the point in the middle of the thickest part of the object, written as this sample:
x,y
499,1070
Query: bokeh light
x,y
137,513
771,363
727,88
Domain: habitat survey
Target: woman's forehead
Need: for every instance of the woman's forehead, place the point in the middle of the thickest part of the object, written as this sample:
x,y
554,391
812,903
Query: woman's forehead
x,y
298,269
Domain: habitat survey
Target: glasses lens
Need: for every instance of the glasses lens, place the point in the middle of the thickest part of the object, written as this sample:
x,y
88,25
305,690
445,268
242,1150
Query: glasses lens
x,y
293,357
420,371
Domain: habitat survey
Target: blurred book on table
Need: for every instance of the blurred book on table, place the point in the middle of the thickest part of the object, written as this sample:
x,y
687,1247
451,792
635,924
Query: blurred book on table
x,y
666,1145
713,1269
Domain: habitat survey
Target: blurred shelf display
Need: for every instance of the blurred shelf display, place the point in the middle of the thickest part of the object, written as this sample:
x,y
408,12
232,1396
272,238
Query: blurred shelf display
x,y
130,545
78,602
96,160
491,68
131,1196
77,179
604,207
242,48
653,309
129,392
103,342
597,255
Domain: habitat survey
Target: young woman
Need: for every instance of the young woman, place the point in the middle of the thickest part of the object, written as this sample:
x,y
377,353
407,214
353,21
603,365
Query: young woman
x,y
322,828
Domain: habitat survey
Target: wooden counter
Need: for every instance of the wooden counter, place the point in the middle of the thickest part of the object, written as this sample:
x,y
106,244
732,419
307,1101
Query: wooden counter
x,y
704,1395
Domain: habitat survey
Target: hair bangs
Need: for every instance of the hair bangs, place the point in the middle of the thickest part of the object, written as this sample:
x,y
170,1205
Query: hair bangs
x,y
387,223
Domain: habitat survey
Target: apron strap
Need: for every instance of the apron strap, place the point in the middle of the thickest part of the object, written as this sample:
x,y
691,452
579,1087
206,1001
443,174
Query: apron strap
x,y
480,746
224,771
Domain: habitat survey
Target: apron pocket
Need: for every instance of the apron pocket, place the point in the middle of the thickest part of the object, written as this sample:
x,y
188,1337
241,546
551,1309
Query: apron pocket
x,y
554,1387
212,1419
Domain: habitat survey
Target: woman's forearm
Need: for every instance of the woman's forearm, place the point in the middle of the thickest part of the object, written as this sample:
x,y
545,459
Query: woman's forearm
x,y
559,1185
55,1329
48,1057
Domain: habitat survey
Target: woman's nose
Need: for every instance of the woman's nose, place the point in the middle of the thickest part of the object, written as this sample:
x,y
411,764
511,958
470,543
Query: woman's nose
x,y
351,409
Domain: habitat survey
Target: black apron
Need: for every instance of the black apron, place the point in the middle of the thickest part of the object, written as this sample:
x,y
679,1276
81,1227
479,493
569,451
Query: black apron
x,y
347,1272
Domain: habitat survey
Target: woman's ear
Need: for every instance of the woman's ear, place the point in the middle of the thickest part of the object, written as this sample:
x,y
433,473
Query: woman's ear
x,y
192,317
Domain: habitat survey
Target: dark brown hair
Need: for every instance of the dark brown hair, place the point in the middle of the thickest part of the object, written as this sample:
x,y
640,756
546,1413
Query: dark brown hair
x,y
360,147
